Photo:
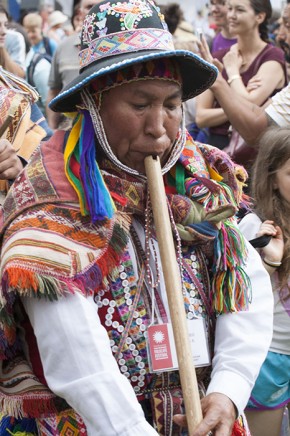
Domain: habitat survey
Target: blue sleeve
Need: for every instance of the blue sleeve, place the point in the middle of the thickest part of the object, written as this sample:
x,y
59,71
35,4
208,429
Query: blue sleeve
x,y
53,46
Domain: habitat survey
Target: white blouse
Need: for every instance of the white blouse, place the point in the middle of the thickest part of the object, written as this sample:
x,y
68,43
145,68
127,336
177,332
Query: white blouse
x,y
250,226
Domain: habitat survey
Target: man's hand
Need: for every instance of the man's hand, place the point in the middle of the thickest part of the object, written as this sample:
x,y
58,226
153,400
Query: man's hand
x,y
10,164
219,415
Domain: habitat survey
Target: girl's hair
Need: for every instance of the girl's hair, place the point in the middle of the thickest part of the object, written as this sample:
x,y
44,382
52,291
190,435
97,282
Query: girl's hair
x,y
263,6
274,151
4,11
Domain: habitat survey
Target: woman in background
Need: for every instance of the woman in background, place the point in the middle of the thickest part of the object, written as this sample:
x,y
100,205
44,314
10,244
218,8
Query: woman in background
x,y
251,56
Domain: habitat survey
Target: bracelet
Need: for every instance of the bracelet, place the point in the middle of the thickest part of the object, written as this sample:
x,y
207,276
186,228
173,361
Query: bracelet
x,y
271,263
234,77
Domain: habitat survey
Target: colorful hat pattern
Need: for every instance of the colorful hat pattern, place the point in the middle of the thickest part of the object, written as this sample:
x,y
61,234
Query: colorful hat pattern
x,y
116,35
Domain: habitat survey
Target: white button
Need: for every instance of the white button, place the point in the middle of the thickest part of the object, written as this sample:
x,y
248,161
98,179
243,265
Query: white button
x,y
106,302
108,322
115,324
135,352
125,283
129,341
120,329
121,268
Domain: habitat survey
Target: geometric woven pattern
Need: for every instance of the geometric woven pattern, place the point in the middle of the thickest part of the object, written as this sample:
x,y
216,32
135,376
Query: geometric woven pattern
x,y
125,42
65,424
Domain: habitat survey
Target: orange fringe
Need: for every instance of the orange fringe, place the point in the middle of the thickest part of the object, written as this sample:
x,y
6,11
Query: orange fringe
x,y
21,278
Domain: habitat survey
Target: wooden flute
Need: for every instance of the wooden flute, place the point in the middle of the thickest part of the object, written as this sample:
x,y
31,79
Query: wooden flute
x,y
173,285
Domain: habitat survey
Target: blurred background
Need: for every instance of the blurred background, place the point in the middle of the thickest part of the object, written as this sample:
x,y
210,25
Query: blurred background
x,y
194,11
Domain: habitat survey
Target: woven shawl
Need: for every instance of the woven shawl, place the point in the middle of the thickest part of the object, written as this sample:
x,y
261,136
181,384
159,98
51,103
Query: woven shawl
x,y
50,249
27,126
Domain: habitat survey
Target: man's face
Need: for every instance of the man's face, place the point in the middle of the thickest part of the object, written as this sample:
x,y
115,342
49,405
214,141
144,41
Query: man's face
x,y
140,119
34,34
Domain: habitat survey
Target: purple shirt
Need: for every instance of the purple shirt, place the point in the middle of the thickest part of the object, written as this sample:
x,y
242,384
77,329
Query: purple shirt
x,y
219,42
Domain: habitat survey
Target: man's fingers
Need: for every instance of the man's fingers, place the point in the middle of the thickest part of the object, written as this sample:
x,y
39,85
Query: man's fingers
x,y
10,168
4,145
180,420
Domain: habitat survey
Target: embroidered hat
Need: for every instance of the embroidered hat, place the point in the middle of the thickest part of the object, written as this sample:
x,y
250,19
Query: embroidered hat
x,y
116,35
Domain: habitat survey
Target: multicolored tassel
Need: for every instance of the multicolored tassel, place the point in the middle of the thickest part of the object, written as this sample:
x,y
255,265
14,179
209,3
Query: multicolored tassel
x,y
82,170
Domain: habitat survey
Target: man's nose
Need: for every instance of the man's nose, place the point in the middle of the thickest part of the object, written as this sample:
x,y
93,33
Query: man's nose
x,y
155,122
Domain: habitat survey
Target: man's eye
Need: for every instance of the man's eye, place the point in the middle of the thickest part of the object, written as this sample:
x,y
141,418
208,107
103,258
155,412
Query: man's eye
x,y
171,107
139,106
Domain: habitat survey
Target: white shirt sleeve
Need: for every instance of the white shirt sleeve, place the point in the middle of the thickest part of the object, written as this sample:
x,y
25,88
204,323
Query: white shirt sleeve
x,y
86,375
250,225
279,108
243,338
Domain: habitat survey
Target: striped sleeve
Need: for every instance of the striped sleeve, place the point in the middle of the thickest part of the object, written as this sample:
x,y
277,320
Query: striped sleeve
x,y
279,109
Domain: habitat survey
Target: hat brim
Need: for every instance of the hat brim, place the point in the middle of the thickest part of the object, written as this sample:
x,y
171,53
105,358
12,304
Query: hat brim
x,y
57,22
197,75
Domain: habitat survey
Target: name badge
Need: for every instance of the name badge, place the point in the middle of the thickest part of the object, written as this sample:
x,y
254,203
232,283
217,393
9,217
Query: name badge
x,y
161,345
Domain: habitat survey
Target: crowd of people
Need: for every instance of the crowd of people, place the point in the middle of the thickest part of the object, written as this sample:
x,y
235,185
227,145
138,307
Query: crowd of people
x,y
86,319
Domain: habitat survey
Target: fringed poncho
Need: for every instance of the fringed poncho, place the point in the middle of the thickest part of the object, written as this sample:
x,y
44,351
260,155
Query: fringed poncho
x,y
50,249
